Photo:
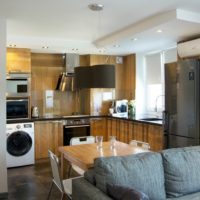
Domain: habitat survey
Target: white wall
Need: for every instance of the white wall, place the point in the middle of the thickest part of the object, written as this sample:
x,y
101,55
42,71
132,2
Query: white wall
x,y
3,169
140,84
170,55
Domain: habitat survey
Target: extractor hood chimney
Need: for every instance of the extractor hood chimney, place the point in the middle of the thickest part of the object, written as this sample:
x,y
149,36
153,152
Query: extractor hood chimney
x,y
71,61
66,79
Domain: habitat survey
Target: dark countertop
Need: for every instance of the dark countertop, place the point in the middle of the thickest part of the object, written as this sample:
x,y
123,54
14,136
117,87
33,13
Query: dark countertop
x,y
57,117
139,120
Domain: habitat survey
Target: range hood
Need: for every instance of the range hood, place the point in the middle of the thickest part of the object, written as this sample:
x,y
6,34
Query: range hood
x,y
66,79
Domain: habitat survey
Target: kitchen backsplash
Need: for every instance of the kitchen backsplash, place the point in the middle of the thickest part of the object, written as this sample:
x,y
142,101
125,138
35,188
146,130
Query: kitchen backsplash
x,y
51,102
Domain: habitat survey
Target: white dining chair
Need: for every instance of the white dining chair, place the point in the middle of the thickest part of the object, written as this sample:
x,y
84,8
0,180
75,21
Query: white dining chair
x,y
79,141
82,140
141,144
65,186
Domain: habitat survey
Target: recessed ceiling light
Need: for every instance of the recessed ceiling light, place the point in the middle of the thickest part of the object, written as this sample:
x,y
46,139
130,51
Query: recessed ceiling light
x,y
159,31
194,47
134,39
75,49
116,45
12,45
102,50
45,47
95,7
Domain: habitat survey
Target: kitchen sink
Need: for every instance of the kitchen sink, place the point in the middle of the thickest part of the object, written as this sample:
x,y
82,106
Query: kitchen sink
x,y
151,119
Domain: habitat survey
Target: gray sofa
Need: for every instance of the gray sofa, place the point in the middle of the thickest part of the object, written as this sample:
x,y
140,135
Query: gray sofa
x,y
172,174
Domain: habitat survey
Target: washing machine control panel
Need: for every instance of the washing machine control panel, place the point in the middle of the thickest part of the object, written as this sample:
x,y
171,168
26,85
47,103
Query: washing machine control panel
x,y
18,126
27,125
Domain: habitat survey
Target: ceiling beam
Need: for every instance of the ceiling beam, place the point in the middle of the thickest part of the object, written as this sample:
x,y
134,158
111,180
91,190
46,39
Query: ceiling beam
x,y
147,24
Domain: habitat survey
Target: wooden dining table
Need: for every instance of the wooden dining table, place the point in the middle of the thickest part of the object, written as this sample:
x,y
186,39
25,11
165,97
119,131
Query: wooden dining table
x,y
84,155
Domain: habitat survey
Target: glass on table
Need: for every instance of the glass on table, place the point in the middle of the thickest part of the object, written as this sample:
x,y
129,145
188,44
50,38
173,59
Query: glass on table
x,y
99,141
112,142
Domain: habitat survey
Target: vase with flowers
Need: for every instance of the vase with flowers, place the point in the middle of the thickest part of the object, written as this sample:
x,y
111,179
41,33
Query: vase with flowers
x,y
131,108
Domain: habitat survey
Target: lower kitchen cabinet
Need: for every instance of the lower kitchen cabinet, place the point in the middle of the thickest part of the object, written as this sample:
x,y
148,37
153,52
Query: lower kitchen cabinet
x,y
125,131
154,136
98,127
112,127
48,136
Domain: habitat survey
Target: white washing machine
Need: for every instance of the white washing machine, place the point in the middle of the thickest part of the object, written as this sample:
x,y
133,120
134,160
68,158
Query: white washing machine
x,y
20,144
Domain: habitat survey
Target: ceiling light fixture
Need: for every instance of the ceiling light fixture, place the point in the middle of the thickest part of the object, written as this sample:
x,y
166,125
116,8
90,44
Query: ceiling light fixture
x,y
159,31
45,47
12,45
95,7
102,50
75,49
116,45
134,39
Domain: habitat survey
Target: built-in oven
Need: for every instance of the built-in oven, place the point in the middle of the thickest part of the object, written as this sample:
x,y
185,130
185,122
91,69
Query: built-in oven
x,y
17,108
75,128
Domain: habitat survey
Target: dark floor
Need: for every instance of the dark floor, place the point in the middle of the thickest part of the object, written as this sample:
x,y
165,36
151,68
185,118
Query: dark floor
x,y
31,182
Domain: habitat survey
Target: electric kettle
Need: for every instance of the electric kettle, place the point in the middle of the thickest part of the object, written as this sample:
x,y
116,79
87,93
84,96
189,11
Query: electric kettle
x,y
35,112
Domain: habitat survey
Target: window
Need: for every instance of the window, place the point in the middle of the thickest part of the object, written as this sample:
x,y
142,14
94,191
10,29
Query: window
x,y
150,81
154,83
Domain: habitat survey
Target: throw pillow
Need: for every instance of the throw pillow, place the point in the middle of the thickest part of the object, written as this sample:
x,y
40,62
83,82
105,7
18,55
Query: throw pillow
x,y
118,192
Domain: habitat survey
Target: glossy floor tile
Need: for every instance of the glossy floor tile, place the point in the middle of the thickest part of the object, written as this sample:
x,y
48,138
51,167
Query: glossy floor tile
x,y
31,182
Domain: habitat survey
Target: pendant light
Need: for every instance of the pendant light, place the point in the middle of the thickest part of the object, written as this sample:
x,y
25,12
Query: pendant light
x,y
96,76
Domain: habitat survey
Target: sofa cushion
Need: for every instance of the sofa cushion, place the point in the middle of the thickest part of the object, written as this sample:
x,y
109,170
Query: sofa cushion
x,y
118,192
84,190
89,176
194,196
182,170
143,171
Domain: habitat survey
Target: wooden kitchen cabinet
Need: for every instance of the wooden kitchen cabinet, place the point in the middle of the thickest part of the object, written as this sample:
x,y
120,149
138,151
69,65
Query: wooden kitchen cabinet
x,y
138,131
98,127
118,128
48,136
112,127
18,60
154,136
122,134
125,131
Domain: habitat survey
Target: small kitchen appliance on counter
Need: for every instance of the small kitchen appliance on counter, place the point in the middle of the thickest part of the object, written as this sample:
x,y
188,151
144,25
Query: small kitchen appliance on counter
x,y
35,112
120,108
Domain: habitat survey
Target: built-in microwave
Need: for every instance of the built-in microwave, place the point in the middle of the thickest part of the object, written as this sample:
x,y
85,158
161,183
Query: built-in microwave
x,y
17,108
17,84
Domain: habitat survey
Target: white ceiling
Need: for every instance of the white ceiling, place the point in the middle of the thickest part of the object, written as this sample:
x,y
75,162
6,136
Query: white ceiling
x,y
64,25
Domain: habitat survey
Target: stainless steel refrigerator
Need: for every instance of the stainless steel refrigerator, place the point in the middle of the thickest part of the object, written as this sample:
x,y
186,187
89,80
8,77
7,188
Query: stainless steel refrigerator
x,y
181,115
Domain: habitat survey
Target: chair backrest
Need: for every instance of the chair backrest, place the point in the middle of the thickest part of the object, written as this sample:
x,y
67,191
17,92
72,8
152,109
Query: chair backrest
x,y
137,143
55,170
82,140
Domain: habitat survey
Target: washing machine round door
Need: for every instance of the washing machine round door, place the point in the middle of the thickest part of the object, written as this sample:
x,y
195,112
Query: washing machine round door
x,y
19,143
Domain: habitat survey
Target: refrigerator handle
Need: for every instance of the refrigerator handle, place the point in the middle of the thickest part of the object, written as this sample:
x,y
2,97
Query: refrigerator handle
x,y
165,120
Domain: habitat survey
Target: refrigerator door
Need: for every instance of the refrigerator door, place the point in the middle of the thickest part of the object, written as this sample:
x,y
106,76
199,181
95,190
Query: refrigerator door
x,y
170,114
177,141
182,103
188,99
171,96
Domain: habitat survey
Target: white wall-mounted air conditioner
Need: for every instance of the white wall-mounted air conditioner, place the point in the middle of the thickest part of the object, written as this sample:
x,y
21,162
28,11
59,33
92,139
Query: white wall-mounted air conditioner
x,y
189,49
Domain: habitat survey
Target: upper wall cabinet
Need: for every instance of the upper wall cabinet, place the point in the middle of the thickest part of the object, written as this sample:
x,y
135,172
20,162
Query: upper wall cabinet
x,y
18,60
